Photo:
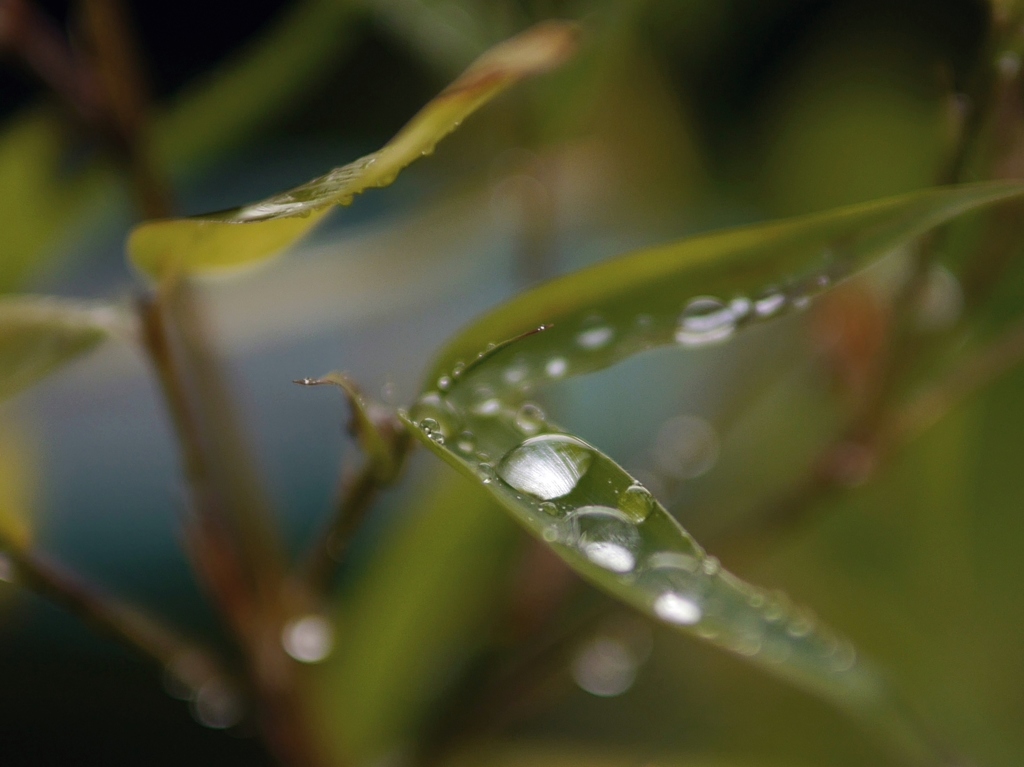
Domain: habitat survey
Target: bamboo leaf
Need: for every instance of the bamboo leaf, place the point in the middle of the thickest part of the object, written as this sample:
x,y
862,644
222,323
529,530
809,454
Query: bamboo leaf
x,y
252,233
592,513
39,335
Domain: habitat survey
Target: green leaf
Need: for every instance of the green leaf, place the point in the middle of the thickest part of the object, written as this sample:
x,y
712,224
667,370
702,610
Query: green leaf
x,y
253,233
693,293
597,517
38,335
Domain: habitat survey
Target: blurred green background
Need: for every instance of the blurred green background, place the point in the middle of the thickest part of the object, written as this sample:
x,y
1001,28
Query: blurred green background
x,y
678,116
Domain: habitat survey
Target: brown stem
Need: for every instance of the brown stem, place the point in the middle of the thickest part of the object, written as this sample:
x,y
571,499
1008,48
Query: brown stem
x,y
358,493
109,616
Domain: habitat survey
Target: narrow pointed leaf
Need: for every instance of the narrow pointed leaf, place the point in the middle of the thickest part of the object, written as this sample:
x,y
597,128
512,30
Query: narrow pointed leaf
x,y
252,233
693,293
592,513
38,335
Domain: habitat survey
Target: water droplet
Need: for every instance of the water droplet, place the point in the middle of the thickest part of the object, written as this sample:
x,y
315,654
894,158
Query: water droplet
x,y
606,537
740,307
556,367
705,321
605,667
458,369
466,442
550,509
487,407
546,467
676,608
435,415
486,472
711,565
636,502
217,705
444,383
595,338
515,374
686,447
308,639
941,301
530,419
769,302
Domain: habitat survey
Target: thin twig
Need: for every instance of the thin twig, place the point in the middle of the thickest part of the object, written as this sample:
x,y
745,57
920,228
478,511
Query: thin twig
x,y
127,624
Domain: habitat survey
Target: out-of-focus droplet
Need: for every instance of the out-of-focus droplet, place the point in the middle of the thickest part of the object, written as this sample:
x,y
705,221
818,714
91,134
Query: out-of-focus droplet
x,y
705,321
605,667
546,467
556,367
596,337
308,638
217,706
686,447
941,300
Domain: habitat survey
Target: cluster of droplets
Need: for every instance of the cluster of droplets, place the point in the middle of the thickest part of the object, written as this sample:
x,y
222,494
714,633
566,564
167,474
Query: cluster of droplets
x,y
682,585
707,320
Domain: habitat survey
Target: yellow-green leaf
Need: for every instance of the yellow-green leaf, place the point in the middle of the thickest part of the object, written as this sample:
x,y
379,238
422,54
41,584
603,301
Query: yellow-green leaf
x,y
39,335
252,233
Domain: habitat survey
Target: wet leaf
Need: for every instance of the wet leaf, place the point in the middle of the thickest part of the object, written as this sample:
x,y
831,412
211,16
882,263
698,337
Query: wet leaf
x,y
597,517
38,335
693,293
252,233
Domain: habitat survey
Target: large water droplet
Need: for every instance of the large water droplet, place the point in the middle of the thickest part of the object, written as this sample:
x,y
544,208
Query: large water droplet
x,y
636,502
308,639
546,467
606,537
704,321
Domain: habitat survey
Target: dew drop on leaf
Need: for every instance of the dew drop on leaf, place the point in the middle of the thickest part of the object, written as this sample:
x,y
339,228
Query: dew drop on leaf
x,y
606,537
546,467
705,321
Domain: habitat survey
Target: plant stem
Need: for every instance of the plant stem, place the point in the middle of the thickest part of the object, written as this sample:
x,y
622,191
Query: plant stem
x,y
123,622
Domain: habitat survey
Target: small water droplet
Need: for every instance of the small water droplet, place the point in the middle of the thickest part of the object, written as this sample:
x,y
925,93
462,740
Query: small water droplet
x,y
547,467
556,367
515,374
487,407
530,419
444,383
676,608
595,338
711,565
308,638
486,472
740,307
435,415
636,502
458,369
769,302
466,442
550,509
606,537
704,321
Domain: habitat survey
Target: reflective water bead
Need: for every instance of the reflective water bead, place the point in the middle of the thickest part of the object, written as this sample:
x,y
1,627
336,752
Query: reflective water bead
x,y
595,338
676,608
530,419
486,472
433,413
556,367
487,407
547,467
704,321
636,502
769,303
308,639
606,537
